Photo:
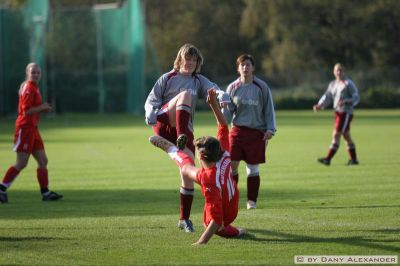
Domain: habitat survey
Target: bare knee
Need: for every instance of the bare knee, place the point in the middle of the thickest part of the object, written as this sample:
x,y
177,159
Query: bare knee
x,y
41,159
185,97
347,137
42,163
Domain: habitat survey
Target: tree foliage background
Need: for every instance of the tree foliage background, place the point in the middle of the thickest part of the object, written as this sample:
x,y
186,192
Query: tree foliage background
x,y
295,44
288,38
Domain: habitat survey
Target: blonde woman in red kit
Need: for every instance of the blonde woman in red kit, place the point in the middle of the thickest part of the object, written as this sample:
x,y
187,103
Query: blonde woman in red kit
x,y
27,139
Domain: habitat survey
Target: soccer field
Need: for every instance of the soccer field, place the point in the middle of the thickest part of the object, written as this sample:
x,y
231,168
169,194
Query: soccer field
x,y
121,195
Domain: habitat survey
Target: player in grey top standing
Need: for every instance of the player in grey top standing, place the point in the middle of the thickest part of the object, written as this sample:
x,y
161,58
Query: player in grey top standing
x,y
343,93
169,110
252,113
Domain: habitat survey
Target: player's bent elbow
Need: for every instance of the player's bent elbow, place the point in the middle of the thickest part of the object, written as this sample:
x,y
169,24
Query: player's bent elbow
x,y
189,172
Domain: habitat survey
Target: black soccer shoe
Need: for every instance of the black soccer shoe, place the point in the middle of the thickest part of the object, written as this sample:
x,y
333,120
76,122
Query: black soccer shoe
x,y
51,196
324,161
3,197
353,162
182,141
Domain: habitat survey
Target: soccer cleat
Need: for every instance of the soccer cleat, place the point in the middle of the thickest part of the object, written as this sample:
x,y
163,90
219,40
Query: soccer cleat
x,y
160,142
353,162
242,232
3,197
251,205
181,141
324,161
186,225
51,196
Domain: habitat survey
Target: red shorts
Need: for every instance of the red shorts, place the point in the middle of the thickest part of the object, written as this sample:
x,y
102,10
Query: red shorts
x,y
342,121
247,144
230,211
165,130
27,139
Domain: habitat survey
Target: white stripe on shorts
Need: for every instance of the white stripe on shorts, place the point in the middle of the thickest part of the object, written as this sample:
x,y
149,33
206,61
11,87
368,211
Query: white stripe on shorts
x,y
18,142
346,122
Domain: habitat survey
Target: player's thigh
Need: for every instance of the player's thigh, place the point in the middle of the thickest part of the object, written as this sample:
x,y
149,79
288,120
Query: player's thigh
x,y
253,148
24,139
38,150
235,149
231,211
22,160
164,129
343,121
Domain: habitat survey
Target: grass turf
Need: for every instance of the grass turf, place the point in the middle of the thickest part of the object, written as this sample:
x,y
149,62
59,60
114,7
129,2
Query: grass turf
x,y
121,196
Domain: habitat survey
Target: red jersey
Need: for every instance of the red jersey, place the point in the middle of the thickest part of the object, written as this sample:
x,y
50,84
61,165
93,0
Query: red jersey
x,y
219,188
29,96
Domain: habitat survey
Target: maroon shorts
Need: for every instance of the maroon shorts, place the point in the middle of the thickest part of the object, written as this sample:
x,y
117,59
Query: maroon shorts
x,y
342,121
27,139
247,144
165,130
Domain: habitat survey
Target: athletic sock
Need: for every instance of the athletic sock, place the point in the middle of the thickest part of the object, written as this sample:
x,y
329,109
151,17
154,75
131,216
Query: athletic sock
x,y
253,185
352,152
182,119
9,177
179,156
186,202
332,150
43,179
228,231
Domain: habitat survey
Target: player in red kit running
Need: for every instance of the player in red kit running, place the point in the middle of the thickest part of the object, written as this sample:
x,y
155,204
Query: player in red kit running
x,y
27,139
215,177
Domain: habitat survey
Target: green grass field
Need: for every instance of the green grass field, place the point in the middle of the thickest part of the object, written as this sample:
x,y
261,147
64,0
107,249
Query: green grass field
x,y
121,196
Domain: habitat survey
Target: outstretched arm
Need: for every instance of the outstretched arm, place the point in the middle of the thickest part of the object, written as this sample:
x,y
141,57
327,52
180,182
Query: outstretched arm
x,y
211,229
223,131
215,107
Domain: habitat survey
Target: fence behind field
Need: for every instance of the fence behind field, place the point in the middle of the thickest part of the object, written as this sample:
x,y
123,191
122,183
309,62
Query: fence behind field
x,y
92,57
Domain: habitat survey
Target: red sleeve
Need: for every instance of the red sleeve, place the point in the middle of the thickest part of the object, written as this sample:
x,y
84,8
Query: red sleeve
x,y
27,98
223,136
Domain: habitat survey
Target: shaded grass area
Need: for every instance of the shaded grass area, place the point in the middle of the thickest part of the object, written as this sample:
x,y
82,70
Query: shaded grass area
x,y
121,196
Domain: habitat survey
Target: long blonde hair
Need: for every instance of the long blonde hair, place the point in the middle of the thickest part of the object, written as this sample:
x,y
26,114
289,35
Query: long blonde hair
x,y
188,50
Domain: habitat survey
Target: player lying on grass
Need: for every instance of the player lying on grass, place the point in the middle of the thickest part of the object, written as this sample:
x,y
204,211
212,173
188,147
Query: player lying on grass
x,y
215,177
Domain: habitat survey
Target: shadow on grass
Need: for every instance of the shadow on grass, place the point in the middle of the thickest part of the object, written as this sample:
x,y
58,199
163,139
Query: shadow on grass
x,y
358,207
25,204
274,237
31,238
95,203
